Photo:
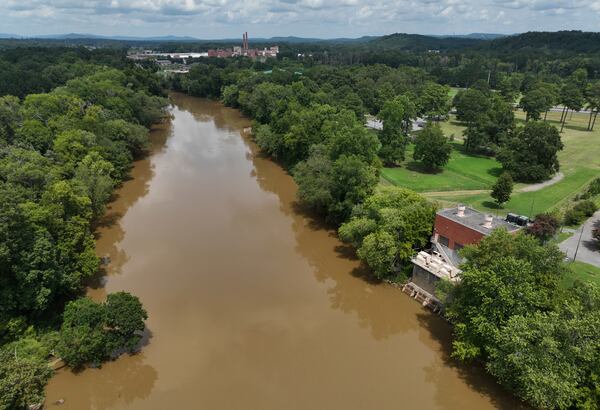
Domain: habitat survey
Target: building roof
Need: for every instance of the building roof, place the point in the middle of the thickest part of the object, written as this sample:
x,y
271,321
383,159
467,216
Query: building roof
x,y
437,266
476,220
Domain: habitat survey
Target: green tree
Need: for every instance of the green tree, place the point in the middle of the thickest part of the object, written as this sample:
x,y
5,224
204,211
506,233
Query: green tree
x,y
470,104
535,102
83,338
403,214
314,179
230,95
434,101
94,174
379,251
125,318
353,181
9,117
490,129
531,154
504,275
22,380
397,116
592,98
550,359
509,86
502,189
571,97
71,146
432,147
527,358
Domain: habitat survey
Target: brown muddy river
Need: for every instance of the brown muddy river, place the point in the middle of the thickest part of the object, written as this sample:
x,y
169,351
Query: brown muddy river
x,y
251,304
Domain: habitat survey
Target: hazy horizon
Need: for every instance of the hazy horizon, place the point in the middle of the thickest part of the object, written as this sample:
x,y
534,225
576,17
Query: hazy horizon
x,y
217,19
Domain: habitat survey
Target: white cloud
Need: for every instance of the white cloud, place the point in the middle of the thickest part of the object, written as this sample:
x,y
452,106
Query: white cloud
x,y
328,18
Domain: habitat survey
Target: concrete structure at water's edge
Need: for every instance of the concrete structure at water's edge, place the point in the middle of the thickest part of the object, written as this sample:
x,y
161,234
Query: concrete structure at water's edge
x,y
454,229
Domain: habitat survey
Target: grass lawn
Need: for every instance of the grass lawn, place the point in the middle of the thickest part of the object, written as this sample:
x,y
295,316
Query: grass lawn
x,y
561,237
453,127
463,172
531,203
580,163
454,91
583,272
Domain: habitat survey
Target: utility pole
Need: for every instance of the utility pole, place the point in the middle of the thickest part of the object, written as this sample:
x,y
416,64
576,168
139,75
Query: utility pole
x,y
531,210
579,241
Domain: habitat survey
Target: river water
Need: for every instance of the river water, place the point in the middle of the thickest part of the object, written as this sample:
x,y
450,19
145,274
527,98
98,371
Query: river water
x,y
251,304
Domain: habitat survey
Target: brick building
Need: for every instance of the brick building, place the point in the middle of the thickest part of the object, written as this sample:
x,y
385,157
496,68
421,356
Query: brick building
x,y
454,228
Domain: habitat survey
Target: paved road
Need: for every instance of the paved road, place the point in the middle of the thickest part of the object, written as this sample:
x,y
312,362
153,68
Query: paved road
x,y
588,249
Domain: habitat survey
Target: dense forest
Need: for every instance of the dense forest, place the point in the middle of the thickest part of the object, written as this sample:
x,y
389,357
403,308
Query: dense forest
x,y
68,136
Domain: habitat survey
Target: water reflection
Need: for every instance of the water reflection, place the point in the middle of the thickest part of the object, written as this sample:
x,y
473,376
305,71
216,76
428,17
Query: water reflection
x,y
109,232
115,384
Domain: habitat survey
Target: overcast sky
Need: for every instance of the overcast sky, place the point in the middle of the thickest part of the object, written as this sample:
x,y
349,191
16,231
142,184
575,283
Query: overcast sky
x,y
308,18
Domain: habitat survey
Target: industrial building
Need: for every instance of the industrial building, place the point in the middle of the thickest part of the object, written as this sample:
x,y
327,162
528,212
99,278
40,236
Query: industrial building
x,y
245,51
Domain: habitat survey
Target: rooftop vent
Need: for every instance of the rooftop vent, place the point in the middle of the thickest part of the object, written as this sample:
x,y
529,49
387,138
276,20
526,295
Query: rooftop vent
x,y
488,222
461,211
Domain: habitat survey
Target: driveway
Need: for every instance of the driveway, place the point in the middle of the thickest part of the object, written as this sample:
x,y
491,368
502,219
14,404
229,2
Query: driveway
x,y
588,252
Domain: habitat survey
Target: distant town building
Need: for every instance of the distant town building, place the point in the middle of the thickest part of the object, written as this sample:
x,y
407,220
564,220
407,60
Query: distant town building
x,y
245,51
237,51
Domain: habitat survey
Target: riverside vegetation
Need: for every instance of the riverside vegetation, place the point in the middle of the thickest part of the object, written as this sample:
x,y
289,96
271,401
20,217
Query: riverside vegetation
x,y
68,136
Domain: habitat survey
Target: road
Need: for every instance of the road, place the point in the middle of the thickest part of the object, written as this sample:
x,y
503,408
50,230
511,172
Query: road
x,y
588,249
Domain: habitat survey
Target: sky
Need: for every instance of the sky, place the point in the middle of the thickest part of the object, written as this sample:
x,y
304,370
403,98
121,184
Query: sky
x,y
211,19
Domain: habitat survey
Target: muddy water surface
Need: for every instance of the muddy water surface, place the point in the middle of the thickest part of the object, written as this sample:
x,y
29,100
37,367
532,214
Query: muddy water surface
x,y
251,304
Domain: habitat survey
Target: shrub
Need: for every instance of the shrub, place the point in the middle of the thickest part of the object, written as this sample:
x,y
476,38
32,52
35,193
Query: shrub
x,y
579,212
587,207
544,227
592,190
573,217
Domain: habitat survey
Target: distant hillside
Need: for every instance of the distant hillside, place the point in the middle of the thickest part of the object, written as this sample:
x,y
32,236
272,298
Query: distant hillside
x,y
567,41
476,36
307,40
415,42
84,36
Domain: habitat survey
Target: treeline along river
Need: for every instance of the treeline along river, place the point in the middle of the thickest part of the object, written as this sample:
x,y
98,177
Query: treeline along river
x,y
251,303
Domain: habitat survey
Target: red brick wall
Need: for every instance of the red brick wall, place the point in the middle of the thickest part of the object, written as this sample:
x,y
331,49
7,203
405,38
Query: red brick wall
x,y
455,232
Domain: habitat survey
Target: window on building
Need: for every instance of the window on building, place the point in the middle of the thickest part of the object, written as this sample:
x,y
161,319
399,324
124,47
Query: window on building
x,y
443,241
458,246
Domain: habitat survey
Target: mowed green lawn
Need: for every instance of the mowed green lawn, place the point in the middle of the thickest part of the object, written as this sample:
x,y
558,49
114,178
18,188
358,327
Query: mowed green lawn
x,y
583,272
580,163
531,203
463,172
